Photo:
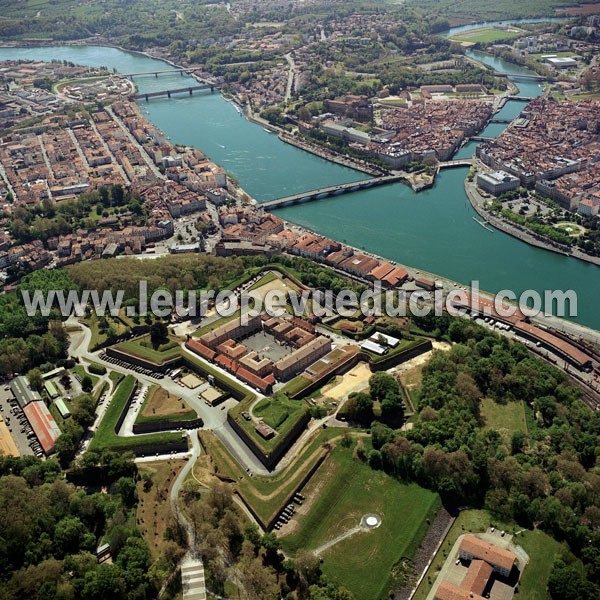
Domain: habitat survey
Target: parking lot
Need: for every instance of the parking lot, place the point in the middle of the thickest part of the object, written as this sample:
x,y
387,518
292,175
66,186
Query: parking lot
x,y
17,424
127,365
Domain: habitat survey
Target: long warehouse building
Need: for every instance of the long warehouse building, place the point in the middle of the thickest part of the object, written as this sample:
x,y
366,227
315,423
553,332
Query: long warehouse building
x,y
43,424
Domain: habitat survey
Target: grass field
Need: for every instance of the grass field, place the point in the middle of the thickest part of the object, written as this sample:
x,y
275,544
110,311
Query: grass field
x,y
279,411
115,377
538,57
106,437
541,548
160,404
341,492
81,373
142,348
504,417
486,35
573,229
266,495
99,336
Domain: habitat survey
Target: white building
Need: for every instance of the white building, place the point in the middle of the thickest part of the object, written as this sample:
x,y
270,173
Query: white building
x,y
497,182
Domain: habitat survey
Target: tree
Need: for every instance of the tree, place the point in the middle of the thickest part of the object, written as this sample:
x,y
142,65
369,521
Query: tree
x,y
127,490
359,407
68,534
567,583
86,383
158,333
83,410
35,379
381,384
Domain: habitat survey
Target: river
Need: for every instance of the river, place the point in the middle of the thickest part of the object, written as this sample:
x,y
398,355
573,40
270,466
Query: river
x,y
433,230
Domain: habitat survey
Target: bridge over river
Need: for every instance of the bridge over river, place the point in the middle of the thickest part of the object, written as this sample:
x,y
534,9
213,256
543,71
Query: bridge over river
x,y
354,186
184,90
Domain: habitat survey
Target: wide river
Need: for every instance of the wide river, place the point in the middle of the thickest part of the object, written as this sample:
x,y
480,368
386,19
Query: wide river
x,y
433,230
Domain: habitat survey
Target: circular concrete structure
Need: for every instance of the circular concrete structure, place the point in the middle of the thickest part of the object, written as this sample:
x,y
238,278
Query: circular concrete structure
x,y
370,521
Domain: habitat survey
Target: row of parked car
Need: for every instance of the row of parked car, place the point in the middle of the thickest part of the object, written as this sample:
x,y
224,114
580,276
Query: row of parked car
x,y
288,512
24,426
131,367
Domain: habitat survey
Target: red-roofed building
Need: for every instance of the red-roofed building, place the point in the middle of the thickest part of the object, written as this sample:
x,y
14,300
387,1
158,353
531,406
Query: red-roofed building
x,y
200,349
264,384
380,271
43,424
449,591
396,277
502,560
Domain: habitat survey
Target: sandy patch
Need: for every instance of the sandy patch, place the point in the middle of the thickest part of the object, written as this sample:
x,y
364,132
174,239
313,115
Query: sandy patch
x,y
191,381
355,379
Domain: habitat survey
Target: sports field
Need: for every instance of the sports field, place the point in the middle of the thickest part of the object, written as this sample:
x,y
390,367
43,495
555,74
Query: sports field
x,y
339,494
485,35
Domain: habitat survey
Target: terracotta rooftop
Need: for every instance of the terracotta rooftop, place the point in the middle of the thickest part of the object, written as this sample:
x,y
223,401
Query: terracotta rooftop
x,y
491,554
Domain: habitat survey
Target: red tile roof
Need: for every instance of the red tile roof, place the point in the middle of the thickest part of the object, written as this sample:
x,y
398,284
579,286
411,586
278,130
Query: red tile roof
x,y
263,384
43,424
497,557
477,577
201,349
449,591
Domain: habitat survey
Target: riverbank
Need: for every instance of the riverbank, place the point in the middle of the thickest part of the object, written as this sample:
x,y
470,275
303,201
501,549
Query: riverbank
x,y
433,232
521,233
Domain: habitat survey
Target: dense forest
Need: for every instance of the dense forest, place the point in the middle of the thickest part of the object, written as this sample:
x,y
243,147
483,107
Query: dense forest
x,y
546,477
50,529
492,10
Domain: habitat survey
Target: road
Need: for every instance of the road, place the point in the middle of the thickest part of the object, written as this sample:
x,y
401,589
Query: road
x,y
291,76
214,418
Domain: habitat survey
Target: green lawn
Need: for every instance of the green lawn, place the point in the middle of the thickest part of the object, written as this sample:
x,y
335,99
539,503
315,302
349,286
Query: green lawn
x,y
566,54
346,489
81,373
541,548
99,335
266,495
485,35
277,410
115,377
263,281
106,437
142,348
509,416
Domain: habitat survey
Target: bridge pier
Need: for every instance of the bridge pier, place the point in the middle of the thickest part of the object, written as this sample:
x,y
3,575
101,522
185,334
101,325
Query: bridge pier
x,y
190,91
156,75
168,93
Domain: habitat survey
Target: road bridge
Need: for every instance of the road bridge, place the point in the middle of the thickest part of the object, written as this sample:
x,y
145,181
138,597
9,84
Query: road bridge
x,y
189,90
520,98
459,162
332,190
501,121
521,76
181,71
